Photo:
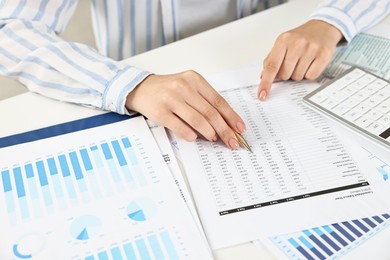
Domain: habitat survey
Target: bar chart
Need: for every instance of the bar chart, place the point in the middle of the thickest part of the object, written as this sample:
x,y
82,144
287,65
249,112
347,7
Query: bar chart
x,y
102,192
330,241
77,176
158,245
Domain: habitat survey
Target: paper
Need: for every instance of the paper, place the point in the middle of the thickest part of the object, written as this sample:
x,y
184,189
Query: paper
x,y
370,52
100,193
300,173
164,144
348,239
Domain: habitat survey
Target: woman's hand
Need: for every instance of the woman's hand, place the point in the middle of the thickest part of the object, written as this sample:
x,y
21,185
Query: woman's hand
x,y
188,105
302,53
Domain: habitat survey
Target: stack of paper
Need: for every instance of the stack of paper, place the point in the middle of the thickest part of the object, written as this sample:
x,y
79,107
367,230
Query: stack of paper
x,y
99,193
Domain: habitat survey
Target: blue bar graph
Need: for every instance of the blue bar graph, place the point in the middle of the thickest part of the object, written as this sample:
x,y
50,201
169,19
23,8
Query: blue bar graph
x,y
77,171
55,177
157,252
21,192
103,255
44,183
6,181
67,178
129,251
86,160
299,248
311,247
134,161
129,149
154,246
318,242
142,249
334,240
19,182
111,163
119,154
116,253
326,239
168,244
70,177
7,188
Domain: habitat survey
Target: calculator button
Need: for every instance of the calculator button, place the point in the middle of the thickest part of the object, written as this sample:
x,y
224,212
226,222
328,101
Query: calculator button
x,y
376,128
364,121
329,103
385,120
362,108
356,73
384,107
351,102
374,114
352,115
319,97
340,109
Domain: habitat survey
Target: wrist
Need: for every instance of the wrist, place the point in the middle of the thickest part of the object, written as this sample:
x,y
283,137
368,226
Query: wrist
x,y
330,31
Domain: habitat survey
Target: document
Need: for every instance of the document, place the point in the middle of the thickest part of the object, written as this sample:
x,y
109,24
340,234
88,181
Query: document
x,y
368,51
350,239
300,173
164,144
98,193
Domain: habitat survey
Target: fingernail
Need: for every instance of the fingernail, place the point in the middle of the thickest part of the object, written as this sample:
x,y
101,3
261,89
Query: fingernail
x,y
233,143
241,127
263,95
215,138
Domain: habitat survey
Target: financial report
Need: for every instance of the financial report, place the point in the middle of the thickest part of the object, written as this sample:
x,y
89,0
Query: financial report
x,y
99,193
298,162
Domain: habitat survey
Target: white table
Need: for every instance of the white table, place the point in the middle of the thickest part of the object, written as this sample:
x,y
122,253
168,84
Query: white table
x,y
225,47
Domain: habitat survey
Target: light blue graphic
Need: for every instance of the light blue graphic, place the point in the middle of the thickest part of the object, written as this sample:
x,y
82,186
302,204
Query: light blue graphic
x,y
29,246
155,246
57,181
85,227
382,166
141,209
330,241
384,173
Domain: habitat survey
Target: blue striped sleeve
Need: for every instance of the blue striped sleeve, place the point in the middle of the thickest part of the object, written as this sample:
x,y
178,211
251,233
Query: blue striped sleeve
x,y
32,52
352,16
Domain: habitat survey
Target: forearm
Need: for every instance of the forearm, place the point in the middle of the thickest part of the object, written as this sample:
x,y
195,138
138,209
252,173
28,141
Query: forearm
x,y
352,17
32,53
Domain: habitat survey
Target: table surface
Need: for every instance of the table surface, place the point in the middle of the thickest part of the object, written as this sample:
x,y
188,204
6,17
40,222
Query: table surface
x,y
225,47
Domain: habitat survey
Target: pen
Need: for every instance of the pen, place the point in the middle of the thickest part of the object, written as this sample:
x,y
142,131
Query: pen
x,y
243,142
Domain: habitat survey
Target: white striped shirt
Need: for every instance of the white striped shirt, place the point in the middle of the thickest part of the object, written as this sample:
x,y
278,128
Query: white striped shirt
x,y
31,51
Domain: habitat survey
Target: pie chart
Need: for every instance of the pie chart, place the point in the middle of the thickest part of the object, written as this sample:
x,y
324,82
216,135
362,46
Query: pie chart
x,y
29,246
141,209
85,227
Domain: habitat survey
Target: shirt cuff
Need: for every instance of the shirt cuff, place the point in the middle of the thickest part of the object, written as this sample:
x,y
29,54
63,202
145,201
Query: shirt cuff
x,y
114,97
338,19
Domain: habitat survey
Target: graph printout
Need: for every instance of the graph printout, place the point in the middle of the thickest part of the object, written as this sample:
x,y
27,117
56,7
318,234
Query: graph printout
x,y
300,173
100,193
331,241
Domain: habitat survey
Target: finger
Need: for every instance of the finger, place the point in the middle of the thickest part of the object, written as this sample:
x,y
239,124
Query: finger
x,y
271,68
213,113
219,106
218,126
316,68
174,123
194,118
217,122
289,63
302,67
